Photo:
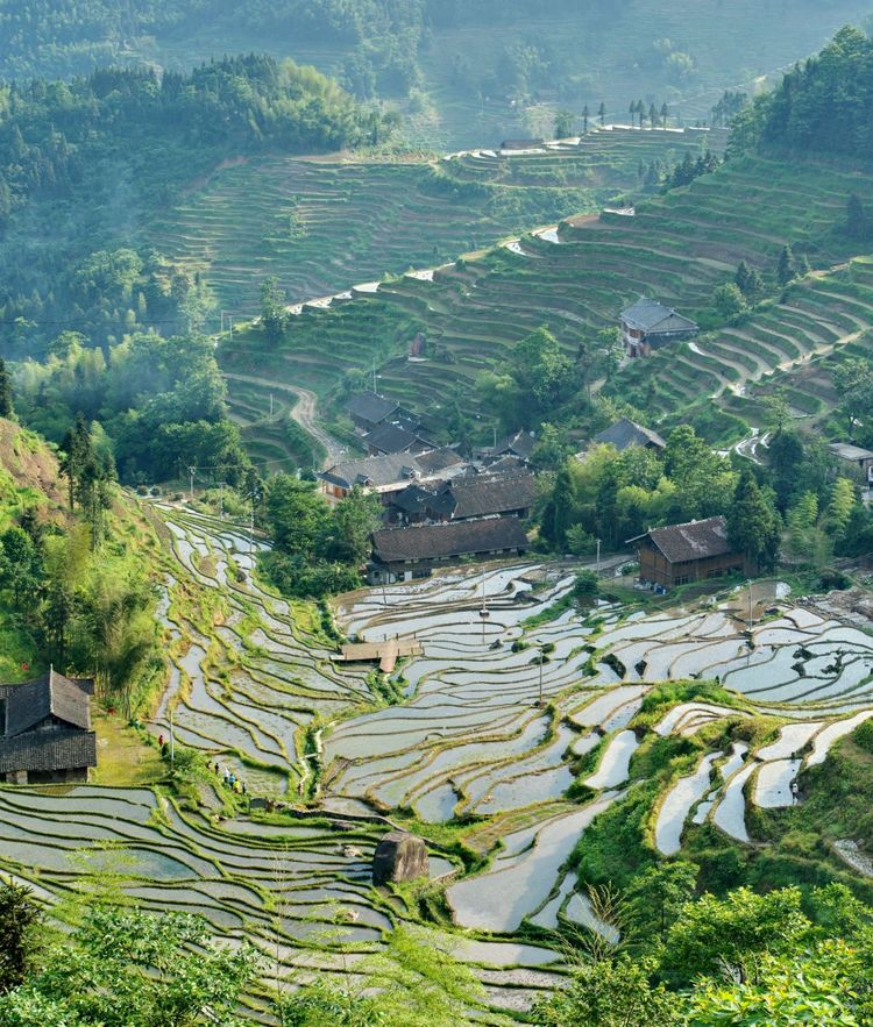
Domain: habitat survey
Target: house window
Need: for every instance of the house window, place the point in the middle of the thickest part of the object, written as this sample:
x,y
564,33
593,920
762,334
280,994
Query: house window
x,y
715,573
682,580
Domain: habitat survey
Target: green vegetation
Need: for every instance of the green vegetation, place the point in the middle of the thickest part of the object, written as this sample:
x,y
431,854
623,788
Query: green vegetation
x,y
679,248
318,550
321,226
159,403
464,73
75,590
83,162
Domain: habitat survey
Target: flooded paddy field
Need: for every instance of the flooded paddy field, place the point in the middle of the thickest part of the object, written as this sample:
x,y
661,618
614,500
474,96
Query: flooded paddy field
x,y
500,718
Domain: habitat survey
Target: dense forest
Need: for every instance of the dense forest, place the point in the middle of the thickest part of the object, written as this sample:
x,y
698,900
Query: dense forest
x,y
86,163
821,106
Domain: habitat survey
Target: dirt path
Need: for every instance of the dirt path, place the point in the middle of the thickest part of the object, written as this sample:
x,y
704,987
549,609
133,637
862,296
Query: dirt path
x,y
304,412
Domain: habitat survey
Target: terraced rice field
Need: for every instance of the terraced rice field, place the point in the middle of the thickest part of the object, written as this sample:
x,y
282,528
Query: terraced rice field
x,y
322,225
677,248
264,695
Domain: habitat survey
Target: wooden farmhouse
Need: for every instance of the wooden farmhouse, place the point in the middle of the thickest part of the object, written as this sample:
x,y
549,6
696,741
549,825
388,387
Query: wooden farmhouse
x,y
47,734
679,554
648,325
402,554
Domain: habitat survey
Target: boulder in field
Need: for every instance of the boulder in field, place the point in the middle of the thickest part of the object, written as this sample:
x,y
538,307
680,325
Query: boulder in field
x,y
400,857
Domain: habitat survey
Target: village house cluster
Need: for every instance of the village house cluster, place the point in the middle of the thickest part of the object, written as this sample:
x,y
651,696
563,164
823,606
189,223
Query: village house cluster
x,y
439,507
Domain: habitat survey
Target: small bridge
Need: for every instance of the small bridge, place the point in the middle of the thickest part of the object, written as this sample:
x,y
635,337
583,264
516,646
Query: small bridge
x,y
385,653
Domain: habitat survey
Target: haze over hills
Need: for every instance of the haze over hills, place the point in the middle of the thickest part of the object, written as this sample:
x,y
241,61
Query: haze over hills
x,y
464,74
436,588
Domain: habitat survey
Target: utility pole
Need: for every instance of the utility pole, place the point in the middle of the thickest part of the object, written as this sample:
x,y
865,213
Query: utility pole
x,y
271,405
172,741
375,390
221,502
542,658
484,613
598,557
191,471
751,615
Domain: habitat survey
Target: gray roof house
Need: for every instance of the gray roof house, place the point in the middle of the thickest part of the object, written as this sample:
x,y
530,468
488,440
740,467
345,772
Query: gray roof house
x,y
519,445
625,433
47,734
369,409
387,474
395,437
648,325
467,497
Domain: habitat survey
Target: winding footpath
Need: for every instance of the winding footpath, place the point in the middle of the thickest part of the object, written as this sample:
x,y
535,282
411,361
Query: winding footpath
x,y
304,411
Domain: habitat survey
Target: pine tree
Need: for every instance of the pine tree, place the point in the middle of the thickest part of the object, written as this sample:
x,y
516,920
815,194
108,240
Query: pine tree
x,y
601,113
786,270
6,408
742,277
586,114
665,114
856,219
653,116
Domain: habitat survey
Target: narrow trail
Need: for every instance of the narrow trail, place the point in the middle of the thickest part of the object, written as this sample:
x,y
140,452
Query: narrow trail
x,y
304,412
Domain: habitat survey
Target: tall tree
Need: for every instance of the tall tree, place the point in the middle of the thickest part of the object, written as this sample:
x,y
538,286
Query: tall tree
x,y
586,114
6,405
754,526
786,270
601,113
274,317
20,918
856,218
665,114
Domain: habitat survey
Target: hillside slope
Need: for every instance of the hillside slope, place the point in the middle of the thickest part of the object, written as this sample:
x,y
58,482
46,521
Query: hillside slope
x,y
323,225
467,74
677,248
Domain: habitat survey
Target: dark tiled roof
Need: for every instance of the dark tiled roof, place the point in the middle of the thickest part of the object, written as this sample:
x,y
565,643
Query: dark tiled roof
x,y
456,539
520,443
370,407
625,433
395,438
48,751
505,465
387,469
437,460
695,540
52,694
651,316
415,499
491,494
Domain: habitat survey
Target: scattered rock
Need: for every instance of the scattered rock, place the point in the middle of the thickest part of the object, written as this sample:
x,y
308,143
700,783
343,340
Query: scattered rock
x,y
400,857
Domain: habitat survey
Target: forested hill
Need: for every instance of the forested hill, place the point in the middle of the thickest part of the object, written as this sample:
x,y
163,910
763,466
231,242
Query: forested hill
x,y
86,164
70,36
464,71
821,106
51,131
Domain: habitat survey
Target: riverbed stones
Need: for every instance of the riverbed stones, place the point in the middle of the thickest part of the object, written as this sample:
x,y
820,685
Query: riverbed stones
x,y
400,857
